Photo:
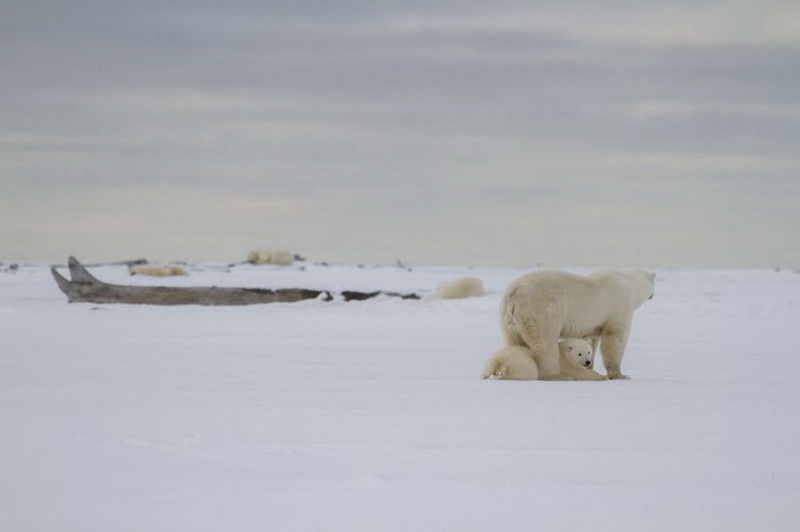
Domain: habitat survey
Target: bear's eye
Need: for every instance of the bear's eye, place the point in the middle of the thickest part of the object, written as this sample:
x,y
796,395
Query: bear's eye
x,y
580,354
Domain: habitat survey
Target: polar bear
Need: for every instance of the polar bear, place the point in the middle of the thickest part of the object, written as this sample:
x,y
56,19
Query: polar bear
x,y
266,256
539,308
460,288
155,270
517,363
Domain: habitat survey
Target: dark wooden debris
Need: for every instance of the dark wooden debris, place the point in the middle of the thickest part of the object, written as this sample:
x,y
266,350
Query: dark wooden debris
x,y
84,287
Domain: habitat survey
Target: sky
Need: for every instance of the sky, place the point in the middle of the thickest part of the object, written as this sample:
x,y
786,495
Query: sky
x,y
486,133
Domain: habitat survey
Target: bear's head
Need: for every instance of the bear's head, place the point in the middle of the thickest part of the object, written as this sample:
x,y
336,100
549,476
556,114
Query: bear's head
x,y
577,352
644,283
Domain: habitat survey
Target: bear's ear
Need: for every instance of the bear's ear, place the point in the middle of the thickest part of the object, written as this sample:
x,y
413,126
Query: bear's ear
x,y
570,348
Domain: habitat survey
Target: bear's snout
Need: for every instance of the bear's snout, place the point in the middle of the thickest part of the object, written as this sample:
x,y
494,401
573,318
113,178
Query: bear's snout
x,y
587,363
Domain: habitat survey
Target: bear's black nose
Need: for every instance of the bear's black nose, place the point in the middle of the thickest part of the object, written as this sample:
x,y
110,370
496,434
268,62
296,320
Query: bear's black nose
x,y
587,363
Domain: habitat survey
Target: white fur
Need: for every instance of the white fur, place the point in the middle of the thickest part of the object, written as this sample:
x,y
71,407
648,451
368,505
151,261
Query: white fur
x,y
155,270
517,362
539,308
267,256
459,288
514,363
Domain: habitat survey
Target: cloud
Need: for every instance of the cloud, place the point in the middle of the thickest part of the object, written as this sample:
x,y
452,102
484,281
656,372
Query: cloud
x,y
644,24
407,126
683,110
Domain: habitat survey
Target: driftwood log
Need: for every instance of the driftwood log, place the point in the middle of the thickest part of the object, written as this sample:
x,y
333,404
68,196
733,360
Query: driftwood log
x,y
84,287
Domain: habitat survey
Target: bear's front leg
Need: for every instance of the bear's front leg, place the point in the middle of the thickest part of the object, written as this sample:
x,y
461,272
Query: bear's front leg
x,y
612,347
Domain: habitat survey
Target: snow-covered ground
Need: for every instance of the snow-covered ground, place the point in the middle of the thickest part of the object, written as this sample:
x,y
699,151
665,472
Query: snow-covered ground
x,y
372,415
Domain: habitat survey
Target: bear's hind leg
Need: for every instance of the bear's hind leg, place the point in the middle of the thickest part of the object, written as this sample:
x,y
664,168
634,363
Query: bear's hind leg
x,y
547,357
536,323
543,343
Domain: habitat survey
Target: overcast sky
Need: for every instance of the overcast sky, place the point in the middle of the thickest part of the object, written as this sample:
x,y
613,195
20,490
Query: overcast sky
x,y
494,132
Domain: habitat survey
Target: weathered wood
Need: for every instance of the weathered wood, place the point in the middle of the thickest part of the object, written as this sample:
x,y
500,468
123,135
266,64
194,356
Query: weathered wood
x,y
84,287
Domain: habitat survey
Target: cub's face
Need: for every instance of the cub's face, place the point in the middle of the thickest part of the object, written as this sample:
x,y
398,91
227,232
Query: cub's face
x,y
577,352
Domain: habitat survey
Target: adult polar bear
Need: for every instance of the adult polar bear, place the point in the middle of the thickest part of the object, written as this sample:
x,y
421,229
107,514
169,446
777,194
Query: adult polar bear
x,y
539,308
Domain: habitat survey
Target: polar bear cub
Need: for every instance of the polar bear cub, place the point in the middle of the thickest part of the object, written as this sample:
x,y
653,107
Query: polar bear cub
x,y
577,360
513,363
517,363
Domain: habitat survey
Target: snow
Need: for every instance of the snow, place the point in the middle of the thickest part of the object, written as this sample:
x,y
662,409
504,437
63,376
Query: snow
x,y
372,415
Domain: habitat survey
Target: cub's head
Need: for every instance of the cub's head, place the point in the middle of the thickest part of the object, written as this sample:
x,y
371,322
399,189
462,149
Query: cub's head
x,y
577,352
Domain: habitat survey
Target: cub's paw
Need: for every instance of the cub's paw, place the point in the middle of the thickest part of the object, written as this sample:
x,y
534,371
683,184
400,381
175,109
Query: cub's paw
x,y
498,375
557,378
